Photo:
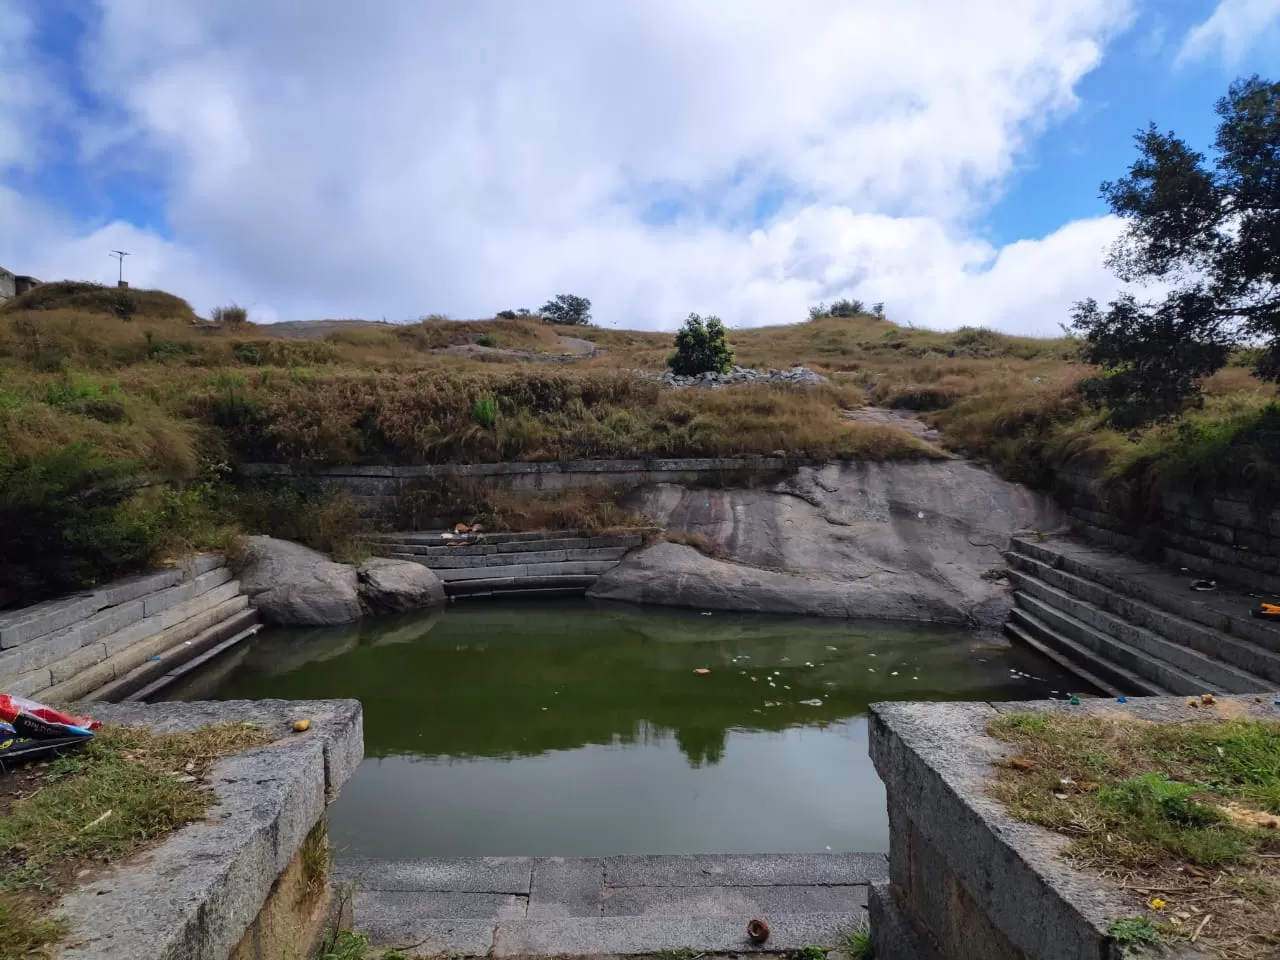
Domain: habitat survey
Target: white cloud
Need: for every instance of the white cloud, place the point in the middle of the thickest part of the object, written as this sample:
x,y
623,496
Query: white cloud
x,y
1232,28
326,160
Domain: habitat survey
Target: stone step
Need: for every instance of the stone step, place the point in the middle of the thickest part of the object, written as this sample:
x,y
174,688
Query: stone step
x,y
118,664
1225,609
1250,657
575,568
519,906
74,659
177,671
76,647
456,561
1224,677
524,586
1084,662
1024,635
1159,672
42,619
242,624
486,548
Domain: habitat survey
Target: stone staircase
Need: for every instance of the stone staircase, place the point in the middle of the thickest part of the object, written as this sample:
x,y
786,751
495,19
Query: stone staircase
x,y
523,564
610,906
1128,627
126,636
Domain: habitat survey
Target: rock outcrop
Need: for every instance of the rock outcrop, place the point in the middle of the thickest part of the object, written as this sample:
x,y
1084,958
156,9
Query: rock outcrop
x,y
796,375
290,584
901,541
394,586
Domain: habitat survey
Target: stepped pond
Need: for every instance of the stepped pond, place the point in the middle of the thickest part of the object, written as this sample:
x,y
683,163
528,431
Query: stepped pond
x,y
575,729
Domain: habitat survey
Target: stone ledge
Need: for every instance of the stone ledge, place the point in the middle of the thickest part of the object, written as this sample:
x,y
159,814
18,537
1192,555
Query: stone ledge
x,y
976,881
194,896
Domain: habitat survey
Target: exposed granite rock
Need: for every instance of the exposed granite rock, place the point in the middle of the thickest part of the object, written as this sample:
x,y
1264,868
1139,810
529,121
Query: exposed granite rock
x,y
394,586
291,584
797,375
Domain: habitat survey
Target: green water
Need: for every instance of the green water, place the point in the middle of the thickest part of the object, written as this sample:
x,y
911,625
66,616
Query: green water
x,y
579,730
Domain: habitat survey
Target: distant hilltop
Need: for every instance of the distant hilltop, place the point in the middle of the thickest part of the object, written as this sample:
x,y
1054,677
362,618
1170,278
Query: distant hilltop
x,y
11,284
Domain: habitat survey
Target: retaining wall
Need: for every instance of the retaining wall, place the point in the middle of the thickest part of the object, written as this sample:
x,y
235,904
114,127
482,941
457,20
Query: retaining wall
x,y
968,882
1227,536
245,883
118,638
385,491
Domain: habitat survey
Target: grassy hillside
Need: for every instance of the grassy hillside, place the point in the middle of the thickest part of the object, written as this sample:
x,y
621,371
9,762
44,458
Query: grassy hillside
x,y
100,387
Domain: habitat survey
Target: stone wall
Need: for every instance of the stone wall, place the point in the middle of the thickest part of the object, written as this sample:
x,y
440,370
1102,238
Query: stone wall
x,y
249,882
966,881
1226,536
8,287
383,491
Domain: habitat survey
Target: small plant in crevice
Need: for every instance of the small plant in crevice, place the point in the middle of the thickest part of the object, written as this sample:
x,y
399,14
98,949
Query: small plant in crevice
x,y
857,942
810,952
1133,934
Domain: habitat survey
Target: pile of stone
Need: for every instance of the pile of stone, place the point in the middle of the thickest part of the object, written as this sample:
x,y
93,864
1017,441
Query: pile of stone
x,y
796,375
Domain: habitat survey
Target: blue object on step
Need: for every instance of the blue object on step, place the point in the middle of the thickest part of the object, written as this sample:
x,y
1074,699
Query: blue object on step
x,y
1122,699
156,658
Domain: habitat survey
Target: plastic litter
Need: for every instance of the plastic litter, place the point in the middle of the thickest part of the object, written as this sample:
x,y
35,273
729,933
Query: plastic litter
x,y
1074,701
30,718
1204,585
1122,699
701,671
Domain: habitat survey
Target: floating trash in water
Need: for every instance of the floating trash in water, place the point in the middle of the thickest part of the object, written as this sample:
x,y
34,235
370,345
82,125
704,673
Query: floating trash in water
x,y
808,664
785,687
870,654
871,669
753,679
742,673
706,613
831,648
544,708
894,674
754,710
815,702
920,515
915,678
701,671
772,684
785,660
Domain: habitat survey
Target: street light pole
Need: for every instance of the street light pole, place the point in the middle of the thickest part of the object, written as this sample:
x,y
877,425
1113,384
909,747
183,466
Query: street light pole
x,y
119,255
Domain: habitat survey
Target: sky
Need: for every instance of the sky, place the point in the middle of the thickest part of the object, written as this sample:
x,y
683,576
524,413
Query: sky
x,y
744,158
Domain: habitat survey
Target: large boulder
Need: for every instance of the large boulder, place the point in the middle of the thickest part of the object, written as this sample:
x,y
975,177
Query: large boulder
x,y
394,586
898,540
290,584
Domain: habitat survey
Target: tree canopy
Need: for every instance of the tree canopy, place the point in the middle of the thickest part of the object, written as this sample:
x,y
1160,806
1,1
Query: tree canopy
x,y
1206,234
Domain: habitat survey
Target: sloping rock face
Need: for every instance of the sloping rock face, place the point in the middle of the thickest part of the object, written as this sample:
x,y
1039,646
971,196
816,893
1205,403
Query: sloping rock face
x,y
290,584
394,586
901,541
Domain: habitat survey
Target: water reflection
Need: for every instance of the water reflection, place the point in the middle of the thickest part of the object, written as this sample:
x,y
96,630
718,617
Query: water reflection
x,y
524,680
581,730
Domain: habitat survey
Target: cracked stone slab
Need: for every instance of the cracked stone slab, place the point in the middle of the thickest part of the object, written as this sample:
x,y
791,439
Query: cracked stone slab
x,y
194,895
566,887
739,870
583,936
511,875
732,901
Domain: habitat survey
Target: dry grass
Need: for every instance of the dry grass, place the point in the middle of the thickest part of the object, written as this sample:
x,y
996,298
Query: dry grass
x,y
95,806
1186,816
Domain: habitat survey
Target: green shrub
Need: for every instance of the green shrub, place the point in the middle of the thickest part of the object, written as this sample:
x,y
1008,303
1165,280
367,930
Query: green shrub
x,y
69,521
507,315
485,410
232,315
488,340
701,347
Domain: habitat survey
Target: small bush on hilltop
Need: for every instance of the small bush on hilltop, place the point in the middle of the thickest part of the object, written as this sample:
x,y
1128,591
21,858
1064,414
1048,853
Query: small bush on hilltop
x,y
568,309
233,315
701,347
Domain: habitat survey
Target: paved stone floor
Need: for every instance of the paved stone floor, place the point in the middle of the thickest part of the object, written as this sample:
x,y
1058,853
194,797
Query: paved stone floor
x,y
547,906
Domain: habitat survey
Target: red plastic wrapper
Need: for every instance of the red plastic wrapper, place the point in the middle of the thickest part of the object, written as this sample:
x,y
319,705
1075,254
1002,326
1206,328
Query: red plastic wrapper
x,y
30,718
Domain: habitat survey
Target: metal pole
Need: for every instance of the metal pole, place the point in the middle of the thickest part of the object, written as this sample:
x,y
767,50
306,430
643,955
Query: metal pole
x,y
119,255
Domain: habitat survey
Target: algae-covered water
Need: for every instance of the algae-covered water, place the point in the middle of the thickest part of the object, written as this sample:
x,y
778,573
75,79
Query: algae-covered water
x,y
574,729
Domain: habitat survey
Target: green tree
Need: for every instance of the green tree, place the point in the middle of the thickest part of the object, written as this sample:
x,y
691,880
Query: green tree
x,y
701,347
567,308
1209,233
